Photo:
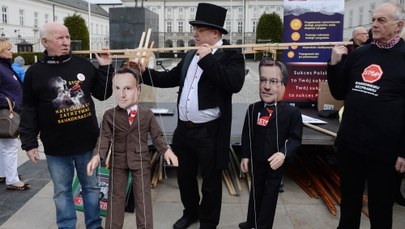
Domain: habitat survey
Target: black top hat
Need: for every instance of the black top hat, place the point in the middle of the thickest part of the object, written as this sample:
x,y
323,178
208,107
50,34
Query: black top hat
x,y
210,15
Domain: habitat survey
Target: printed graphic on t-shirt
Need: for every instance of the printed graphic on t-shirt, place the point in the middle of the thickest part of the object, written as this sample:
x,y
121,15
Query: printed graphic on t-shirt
x,y
67,95
70,103
370,75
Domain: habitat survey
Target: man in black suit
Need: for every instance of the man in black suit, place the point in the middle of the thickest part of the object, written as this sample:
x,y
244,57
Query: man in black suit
x,y
207,78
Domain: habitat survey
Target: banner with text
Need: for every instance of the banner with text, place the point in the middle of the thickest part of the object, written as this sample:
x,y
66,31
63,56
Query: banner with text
x,y
309,21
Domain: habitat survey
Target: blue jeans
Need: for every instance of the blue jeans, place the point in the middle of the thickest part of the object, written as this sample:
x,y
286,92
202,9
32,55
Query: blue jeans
x,y
62,170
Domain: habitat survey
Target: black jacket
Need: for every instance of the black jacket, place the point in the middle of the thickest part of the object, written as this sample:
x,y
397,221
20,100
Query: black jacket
x,y
260,142
223,74
372,83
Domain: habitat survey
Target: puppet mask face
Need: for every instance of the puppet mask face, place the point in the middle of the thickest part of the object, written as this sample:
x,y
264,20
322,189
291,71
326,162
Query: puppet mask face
x,y
271,88
126,90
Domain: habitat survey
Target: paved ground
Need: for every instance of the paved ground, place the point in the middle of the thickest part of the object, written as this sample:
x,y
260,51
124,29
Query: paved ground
x,y
295,210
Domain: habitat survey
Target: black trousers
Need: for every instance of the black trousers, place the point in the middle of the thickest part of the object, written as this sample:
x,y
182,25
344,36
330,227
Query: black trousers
x,y
358,170
263,197
195,146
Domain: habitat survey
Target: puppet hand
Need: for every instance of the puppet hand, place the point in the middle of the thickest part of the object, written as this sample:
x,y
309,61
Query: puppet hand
x,y
276,160
244,165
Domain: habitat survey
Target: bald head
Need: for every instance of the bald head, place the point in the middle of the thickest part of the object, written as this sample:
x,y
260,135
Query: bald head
x,y
359,35
55,38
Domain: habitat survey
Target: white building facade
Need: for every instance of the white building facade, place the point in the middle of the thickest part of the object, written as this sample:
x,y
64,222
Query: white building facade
x,y
21,19
359,13
241,19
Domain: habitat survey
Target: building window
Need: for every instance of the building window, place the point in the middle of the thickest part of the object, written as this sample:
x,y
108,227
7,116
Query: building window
x,y
4,14
180,26
21,13
36,19
351,18
240,27
228,26
254,26
46,18
372,8
169,26
361,14
181,9
192,9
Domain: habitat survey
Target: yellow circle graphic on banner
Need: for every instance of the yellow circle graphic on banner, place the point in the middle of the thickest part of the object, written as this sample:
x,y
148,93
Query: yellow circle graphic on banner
x,y
296,24
290,54
295,36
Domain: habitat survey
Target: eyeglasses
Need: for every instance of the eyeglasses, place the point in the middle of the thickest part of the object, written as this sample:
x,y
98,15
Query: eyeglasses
x,y
272,81
197,29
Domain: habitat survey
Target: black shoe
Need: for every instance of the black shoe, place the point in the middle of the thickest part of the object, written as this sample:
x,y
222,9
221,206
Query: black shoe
x,y
400,200
184,222
244,225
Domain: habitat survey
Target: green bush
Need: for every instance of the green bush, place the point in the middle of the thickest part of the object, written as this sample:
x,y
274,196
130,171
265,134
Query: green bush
x,y
269,28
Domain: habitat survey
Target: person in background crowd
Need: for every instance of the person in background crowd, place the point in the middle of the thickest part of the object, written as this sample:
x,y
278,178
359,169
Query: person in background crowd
x,y
18,68
207,78
10,87
271,133
58,106
371,135
359,38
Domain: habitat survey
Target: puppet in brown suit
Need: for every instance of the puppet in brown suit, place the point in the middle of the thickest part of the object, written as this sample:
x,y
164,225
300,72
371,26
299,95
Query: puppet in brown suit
x,y
126,133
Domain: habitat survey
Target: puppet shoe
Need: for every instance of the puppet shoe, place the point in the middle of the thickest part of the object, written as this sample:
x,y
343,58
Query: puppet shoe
x,y
244,225
18,188
184,222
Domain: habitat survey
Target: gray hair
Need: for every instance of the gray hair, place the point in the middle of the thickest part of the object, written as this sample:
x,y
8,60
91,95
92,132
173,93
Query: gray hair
x,y
19,60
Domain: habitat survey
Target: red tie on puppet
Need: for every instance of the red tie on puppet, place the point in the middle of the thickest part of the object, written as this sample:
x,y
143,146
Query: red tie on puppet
x,y
264,116
131,116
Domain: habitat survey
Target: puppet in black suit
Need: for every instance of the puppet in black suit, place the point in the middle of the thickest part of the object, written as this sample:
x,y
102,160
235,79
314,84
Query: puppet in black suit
x,y
272,131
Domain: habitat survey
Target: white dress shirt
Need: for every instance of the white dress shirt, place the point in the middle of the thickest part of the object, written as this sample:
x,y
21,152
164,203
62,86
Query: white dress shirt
x,y
188,105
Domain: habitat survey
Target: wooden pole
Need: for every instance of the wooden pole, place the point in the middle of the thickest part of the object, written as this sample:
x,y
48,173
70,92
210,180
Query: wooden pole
x,y
261,47
325,131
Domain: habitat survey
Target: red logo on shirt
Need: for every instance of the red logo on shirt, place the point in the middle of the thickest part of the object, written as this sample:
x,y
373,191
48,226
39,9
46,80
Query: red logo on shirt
x,y
372,73
264,120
